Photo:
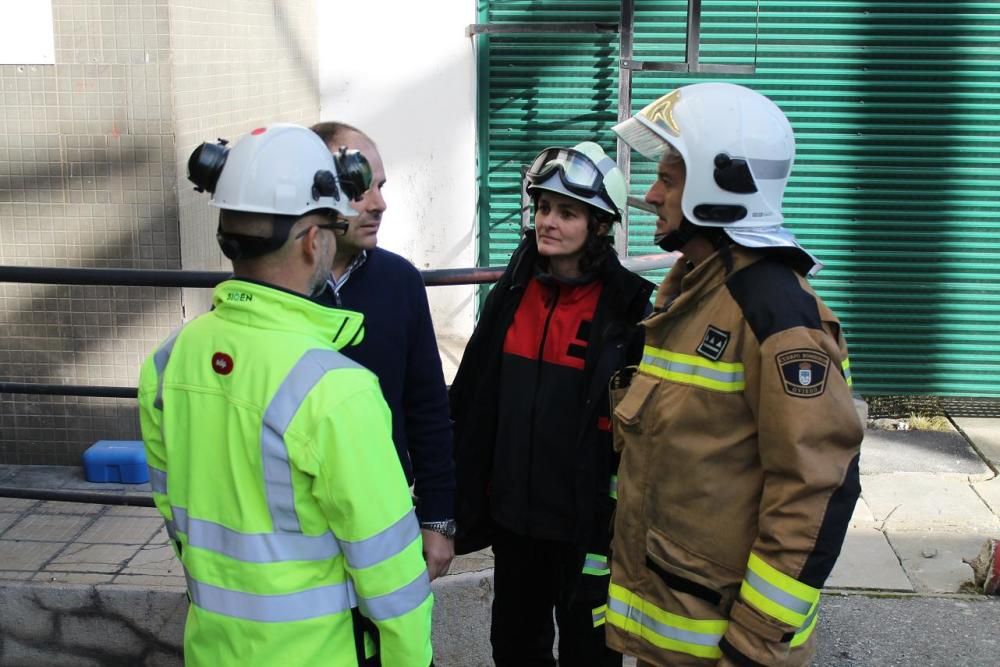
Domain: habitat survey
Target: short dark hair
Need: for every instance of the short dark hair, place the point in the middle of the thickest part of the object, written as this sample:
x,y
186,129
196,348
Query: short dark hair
x,y
329,130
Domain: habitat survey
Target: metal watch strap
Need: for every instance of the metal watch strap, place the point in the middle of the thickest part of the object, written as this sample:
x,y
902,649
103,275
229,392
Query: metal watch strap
x,y
446,528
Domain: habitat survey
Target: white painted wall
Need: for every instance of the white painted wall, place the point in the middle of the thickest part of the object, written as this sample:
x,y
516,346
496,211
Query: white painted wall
x,y
404,72
27,34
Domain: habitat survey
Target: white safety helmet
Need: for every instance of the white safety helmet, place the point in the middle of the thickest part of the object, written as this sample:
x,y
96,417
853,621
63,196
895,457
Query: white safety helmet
x,y
738,148
583,172
281,169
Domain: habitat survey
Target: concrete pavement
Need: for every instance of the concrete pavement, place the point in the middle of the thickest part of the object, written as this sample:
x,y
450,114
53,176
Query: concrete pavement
x,y
929,500
93,584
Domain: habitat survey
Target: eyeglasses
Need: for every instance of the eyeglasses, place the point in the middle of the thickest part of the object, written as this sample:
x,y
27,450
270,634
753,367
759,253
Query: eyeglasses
x,y
336,225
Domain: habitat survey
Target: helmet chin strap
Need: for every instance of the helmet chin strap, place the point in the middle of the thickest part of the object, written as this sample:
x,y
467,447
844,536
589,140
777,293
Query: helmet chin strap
x,y
678,238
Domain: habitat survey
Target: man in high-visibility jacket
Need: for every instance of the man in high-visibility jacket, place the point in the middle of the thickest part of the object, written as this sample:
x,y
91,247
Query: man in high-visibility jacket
x,y
738,433
270,453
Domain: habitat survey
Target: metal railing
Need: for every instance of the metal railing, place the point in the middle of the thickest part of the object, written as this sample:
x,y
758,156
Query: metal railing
x,y
176,278
208,279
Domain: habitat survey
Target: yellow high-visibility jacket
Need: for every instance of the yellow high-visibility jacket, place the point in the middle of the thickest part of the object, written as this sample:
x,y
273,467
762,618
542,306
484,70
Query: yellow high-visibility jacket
x,y
271,459
739,469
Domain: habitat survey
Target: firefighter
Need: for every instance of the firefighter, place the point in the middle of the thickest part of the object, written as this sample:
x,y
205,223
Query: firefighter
x,y
270,453
738,434
534,461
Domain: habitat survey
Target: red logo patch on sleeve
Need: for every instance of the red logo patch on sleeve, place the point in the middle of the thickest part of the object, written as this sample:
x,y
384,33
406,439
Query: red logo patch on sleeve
x,y
603,424
222,363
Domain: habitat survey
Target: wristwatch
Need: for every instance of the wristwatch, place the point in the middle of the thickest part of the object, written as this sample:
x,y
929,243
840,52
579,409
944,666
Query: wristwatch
x,y
446,528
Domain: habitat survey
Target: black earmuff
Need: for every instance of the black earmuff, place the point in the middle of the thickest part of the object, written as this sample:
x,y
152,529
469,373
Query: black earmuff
x,y
205,165
733,175
355,172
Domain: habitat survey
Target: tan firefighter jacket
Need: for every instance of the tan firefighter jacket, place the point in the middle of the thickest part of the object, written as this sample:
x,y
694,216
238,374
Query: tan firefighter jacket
x,y
739,470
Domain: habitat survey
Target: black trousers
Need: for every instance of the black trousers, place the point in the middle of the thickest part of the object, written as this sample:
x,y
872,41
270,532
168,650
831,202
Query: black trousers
x,y
531,578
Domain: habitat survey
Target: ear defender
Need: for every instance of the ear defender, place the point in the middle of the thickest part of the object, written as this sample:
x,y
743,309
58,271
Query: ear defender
x,y
733,175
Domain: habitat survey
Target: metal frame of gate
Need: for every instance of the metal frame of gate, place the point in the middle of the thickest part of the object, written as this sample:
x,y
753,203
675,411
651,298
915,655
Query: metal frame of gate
x,y
625,29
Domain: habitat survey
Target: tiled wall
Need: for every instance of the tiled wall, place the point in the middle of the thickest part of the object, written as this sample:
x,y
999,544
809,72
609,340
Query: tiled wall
x,y
237,65
92,165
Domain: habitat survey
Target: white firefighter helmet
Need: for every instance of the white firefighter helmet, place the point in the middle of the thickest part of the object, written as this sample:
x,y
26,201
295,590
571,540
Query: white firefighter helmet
x,y
282,169
583,172
738,148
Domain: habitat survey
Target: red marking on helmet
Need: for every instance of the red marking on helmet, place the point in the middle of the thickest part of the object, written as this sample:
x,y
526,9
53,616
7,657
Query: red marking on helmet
x,y
222,363
259,130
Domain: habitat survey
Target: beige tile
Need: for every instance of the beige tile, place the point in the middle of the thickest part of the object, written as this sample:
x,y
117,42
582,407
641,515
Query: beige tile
x,y
155,560
907,501
93,558
134,511
474,562
989,491
26,556
16,504
121,530
161,537
867,561
146,581
48,527
73,577
55,507
935,561
6,520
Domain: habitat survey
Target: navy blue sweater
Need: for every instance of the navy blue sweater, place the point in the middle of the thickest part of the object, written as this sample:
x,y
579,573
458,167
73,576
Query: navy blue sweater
x,y
400,348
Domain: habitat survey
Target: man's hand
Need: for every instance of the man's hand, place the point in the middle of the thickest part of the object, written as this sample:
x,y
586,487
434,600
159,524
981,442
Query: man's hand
x,y
438,552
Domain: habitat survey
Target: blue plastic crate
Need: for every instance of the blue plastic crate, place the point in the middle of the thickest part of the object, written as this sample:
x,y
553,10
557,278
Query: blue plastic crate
x,y
122,461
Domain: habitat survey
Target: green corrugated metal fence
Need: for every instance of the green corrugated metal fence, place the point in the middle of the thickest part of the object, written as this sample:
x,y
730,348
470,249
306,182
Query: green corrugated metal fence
x,y
896,186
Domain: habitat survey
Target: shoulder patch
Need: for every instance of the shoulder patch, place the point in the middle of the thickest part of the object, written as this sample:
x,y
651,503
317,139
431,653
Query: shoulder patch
x,y
772,300
803,372
222,363
714,343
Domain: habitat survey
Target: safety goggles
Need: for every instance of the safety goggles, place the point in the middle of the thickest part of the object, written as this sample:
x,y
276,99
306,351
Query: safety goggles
x,y
577,172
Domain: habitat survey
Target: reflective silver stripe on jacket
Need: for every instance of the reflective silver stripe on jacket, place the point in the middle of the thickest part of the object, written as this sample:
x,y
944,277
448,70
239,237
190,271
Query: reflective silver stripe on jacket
x,y
160,359
398,602
247,547
690,369
306,373
596,564
777,595
157,480
254,547
284,608
663,630
384,545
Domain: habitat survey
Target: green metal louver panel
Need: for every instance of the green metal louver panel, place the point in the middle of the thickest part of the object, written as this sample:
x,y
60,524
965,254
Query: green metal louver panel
x,y
543,90
896,186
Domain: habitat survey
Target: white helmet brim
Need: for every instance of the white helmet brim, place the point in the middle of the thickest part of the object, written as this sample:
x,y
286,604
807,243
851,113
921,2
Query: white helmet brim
x,y
647,139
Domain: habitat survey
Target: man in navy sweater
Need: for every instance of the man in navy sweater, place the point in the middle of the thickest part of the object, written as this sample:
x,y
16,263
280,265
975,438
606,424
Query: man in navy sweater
x,y
400,348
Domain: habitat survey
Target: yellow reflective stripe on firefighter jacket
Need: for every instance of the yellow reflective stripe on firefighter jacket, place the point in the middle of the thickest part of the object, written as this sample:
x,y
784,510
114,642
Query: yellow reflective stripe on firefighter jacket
x,y
272,461
739,442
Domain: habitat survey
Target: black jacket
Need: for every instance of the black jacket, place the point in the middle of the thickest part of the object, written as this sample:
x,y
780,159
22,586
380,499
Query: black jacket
x,y
614,341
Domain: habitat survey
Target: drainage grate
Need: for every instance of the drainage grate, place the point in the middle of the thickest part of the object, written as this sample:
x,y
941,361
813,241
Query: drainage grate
x,y
894,407
972,407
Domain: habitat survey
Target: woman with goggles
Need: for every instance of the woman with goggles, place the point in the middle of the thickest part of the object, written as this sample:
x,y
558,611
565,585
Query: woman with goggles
x,y
536,470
